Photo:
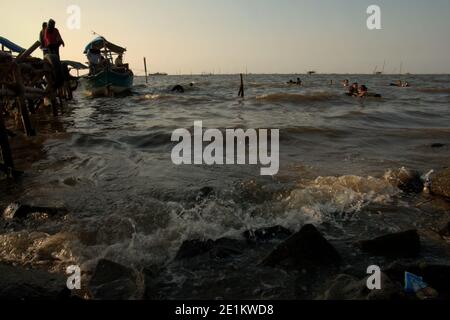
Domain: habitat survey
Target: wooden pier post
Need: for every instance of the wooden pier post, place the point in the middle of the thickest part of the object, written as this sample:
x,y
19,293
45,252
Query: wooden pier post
x,y
241,89
8,163
145,68
21,101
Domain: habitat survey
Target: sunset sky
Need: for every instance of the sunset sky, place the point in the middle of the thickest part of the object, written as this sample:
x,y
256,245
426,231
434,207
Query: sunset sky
x,y
262,36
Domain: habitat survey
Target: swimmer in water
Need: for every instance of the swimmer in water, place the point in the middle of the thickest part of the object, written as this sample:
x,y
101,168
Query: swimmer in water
x,y
353,90
178,88
362,91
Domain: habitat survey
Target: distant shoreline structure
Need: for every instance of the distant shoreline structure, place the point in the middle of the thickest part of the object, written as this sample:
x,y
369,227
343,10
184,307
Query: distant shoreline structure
x,y
299,74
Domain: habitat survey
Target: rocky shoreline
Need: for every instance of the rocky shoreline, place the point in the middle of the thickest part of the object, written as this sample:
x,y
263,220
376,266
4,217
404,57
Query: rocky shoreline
x,y
316,267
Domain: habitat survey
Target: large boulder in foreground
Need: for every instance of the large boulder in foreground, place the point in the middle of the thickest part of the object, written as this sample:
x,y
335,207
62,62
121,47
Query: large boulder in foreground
x,y
17,283
112,281
397,245
345,287
441,183
307,248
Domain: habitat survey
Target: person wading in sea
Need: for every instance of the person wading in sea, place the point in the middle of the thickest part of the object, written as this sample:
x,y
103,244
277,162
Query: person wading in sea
x,y
53,39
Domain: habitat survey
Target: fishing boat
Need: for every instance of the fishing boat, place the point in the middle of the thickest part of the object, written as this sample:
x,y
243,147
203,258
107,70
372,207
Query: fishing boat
x,y
10,47
106,76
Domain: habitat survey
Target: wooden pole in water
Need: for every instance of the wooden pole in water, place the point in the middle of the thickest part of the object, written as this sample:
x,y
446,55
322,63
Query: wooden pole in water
x,y
241,90
5,148
145,67
29,131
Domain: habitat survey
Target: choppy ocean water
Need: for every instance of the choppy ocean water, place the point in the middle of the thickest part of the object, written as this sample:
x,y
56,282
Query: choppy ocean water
x,y
110,166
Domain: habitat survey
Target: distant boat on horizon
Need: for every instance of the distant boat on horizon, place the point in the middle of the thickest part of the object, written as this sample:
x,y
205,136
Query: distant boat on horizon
x,y
376,72
310,73
158,74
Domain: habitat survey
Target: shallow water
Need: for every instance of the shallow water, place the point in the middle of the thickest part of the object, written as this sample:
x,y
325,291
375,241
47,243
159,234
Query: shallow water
x,y
110,166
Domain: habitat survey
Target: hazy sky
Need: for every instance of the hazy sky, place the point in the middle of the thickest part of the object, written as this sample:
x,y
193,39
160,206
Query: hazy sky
x,y
264,36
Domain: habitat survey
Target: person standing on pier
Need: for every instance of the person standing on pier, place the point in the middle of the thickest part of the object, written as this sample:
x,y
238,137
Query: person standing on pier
x,y
53,39
42,39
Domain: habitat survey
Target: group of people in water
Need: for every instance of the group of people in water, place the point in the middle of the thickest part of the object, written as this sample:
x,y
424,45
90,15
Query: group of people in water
x,y
50,38
356,90
297,83
400,84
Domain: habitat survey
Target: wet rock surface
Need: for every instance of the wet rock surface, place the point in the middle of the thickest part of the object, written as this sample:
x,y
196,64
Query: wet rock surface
x,y
445,230
407,180
112,281
17,210
306,248
403,244
17,283
267,234
346,287
441,183
220,249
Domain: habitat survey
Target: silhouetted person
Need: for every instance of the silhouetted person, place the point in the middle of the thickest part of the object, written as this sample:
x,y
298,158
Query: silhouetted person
x,y
53,39
362,91
353,90
42,38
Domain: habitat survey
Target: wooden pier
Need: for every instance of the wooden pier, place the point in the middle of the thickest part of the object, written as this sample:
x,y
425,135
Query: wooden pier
x,y
25,84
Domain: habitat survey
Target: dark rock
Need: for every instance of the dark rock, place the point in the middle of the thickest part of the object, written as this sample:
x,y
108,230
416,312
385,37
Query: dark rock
x,y
222,248
17,283
150,276
440,184
408,181
193,248
403,244
205,192
267,234
438,145
445,231
112,281
306,248
345,287
20,211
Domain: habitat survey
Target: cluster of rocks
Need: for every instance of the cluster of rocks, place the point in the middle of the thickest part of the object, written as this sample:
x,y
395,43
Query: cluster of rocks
x,y
309,250
411,181
17,283
306,250
19,211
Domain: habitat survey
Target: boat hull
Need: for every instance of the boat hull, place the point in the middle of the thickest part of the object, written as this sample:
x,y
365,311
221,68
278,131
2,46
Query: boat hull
x,y
109,82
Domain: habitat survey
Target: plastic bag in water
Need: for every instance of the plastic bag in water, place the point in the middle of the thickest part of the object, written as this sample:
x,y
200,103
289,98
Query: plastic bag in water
x,y
413,283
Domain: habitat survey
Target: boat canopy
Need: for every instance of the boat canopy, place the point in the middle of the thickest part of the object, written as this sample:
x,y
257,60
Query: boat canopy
x,y
101,43
75,65
5,43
